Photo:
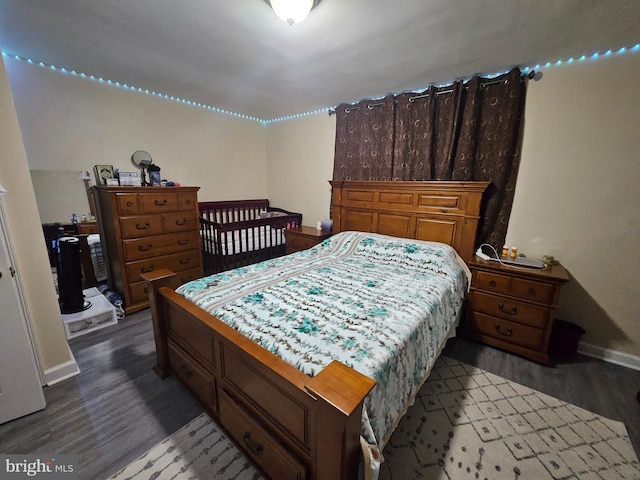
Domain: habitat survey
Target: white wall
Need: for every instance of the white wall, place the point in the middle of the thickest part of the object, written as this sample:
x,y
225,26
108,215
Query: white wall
x,y
73,123
300,165
27,239
578,192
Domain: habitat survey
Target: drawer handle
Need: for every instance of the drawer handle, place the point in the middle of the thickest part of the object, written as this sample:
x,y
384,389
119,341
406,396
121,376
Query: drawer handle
x,y
183,242
129,204
188,202
184,261
160,203
181,222
147,270
139,226
513,311
186,371
493,283
507,333
255,448
532,292
143,248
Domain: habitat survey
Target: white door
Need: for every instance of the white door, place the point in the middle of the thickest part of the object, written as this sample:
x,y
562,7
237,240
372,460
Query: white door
x,y
20,386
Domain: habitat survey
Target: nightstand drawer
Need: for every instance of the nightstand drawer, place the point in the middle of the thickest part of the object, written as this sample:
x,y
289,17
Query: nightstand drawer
x,y
300,243
532,290
513,308
510,309
491,282
302,238
514,333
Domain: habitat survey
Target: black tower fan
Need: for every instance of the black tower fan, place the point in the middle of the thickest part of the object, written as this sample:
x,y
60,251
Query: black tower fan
x,y
69,272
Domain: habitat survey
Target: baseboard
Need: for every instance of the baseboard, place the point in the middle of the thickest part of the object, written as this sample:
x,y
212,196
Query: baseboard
x,y
61,371
611,356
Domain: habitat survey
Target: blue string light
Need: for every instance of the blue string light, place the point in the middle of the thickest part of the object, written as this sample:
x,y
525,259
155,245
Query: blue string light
x,y
63,70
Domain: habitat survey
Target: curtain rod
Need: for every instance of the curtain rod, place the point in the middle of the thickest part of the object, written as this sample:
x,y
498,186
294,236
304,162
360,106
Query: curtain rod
x,y
531,76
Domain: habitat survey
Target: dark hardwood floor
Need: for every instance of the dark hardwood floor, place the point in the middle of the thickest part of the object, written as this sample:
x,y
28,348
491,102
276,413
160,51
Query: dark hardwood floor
x,y
117,408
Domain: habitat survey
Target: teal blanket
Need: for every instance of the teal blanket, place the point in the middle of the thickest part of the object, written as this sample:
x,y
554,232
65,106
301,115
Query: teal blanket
x,y
381,305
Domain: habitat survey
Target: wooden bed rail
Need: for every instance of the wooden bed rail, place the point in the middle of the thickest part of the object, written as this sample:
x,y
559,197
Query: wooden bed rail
x,y
289,424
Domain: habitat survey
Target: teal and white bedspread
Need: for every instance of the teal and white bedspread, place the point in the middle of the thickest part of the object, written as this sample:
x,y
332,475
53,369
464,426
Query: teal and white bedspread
x,y
381,305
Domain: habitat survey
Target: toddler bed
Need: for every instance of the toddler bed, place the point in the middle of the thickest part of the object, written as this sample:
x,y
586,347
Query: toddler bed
x,y
241,232
277,352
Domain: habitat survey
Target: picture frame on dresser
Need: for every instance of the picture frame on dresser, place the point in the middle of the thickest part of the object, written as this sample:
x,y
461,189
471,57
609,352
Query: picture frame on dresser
x,y
103,173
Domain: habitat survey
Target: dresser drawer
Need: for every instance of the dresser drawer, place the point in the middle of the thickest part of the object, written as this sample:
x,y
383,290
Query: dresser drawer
x,y
188,201
511,332
196,378
258,444
175,262
510,309
184,276
134,227
127,203
159,202
180,221
160,245
491,282
532,290
139,292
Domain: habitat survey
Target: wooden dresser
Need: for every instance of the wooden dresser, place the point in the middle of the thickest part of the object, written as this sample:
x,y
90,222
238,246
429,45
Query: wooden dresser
x,y
301,238
144,229
513,308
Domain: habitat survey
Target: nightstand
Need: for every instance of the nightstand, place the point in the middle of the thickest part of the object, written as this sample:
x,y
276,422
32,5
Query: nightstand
x,y
513,308
301,238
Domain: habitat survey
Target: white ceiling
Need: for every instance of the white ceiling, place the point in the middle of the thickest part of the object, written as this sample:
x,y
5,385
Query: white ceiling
x,y
237,55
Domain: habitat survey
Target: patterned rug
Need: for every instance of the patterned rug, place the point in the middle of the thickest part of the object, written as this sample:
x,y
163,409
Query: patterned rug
x,y
466,423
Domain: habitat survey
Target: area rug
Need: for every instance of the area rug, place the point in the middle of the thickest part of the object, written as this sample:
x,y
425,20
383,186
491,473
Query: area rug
x,y
466,423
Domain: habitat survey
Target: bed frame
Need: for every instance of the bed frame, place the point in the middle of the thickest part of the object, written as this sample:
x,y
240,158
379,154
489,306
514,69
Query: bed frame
x,y
226,222
290,425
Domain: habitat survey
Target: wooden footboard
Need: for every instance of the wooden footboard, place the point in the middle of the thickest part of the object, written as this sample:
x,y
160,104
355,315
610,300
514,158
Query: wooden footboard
x,y
290,425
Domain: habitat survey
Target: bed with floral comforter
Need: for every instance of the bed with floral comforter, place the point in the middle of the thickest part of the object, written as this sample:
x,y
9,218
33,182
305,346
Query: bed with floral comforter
x,y
381,305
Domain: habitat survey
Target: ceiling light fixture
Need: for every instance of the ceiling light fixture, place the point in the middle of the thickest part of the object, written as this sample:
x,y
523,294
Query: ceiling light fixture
x,y
292,11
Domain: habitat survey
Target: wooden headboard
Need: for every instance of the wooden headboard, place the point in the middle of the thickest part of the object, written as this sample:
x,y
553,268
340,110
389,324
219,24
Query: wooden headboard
x,y
441,211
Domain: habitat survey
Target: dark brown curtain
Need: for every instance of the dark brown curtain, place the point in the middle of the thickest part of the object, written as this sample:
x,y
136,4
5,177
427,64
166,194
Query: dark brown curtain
x,y
364,140
488,147
426,132
467,131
